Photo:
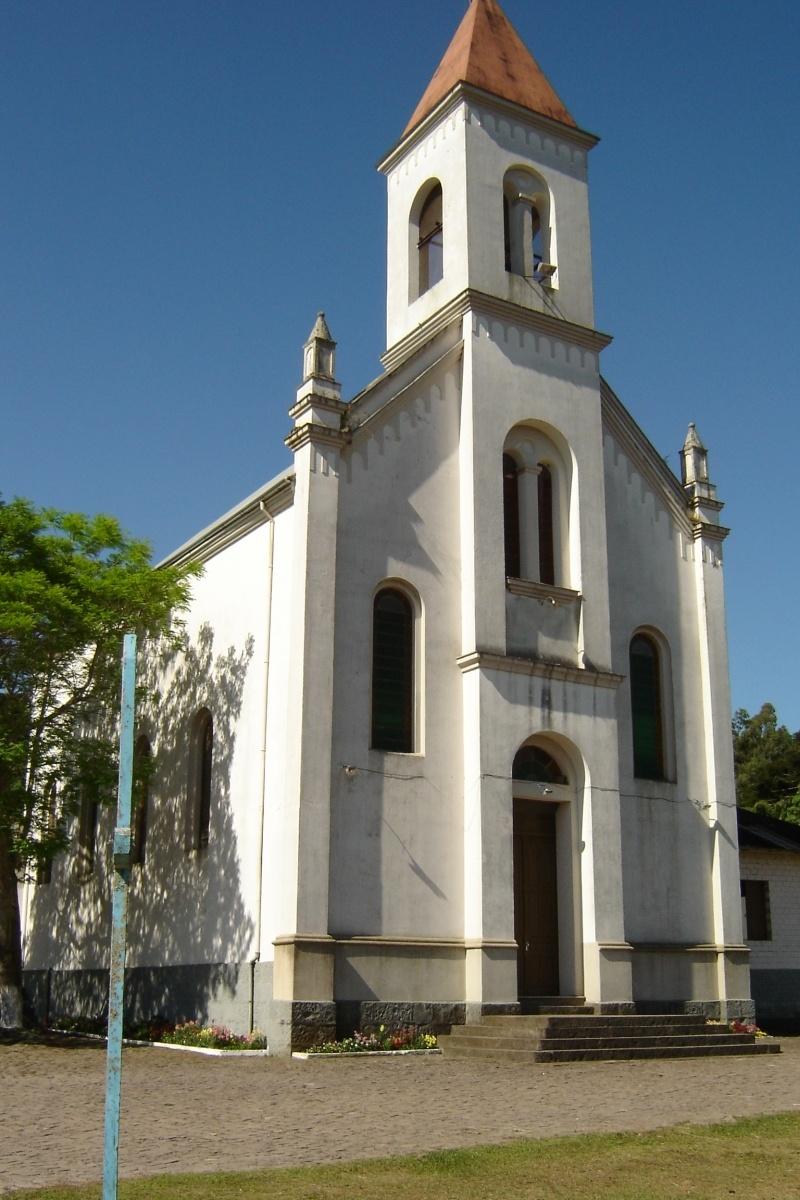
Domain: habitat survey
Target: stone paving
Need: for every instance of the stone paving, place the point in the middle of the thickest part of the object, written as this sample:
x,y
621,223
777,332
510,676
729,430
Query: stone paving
x,y
184,1112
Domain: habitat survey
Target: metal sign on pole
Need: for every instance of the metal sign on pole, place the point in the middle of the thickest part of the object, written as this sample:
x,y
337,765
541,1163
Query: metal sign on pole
x,y
123,841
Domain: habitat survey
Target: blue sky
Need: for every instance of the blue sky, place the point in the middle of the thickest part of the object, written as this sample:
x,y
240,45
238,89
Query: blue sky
x,y
185,184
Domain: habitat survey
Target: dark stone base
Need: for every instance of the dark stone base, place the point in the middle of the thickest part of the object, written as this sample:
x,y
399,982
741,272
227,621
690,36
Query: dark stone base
x,y
312,1022
740,1010
367,1015
777,999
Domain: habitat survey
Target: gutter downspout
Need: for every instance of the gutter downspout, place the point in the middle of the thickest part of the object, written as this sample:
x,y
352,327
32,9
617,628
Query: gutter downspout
x,y
263,757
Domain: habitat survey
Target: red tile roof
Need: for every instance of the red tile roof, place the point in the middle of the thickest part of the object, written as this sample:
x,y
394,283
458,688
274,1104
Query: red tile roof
x,y
487,52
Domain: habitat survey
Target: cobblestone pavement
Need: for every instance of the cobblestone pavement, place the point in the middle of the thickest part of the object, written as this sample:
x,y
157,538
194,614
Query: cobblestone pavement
x,y
185,1112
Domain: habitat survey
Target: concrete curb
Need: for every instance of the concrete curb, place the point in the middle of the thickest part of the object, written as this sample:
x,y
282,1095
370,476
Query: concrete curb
x,y
99,1037
303,1054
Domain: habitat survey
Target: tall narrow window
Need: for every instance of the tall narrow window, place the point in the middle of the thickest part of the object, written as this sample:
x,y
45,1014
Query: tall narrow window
x,y
507,230
200,768
392,672
547,569
141,796
648,732
511,517
44,869
88,821
431,241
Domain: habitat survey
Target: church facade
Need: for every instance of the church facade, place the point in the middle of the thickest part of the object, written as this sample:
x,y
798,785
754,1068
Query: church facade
x,y
452,731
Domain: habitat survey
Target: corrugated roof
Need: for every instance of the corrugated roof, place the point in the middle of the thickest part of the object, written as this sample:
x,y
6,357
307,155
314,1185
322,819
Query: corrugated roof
x,y
488,53
759,832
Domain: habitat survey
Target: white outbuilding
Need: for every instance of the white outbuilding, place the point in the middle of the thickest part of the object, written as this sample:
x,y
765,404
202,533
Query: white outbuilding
x,y
452,732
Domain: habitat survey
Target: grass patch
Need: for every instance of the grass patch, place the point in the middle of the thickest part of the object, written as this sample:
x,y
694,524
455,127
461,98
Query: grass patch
x,y
756,1159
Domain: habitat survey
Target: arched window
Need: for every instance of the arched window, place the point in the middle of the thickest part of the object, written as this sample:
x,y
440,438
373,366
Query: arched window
x,y
142,766
534,765
431,240
528,237
201,763
392,672
646,710
536,487
511,516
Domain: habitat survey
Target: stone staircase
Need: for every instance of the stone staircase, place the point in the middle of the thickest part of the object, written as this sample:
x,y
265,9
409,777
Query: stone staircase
x,y
574,1033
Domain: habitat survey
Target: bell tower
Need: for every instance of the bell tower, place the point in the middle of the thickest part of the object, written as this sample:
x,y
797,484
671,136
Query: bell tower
x,y
488,187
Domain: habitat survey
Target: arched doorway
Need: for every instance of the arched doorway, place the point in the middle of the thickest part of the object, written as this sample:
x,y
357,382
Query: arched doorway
x,y
542,848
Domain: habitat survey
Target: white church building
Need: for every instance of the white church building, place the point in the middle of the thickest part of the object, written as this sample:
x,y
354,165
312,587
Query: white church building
x,y
452,731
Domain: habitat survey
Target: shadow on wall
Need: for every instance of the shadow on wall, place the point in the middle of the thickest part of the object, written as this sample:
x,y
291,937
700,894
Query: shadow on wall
x,y
186,909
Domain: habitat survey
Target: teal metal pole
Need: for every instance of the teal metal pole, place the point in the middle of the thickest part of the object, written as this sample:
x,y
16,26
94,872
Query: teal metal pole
x,y
119,919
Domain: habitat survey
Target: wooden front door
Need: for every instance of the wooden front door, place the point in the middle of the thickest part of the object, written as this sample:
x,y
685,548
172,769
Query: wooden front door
x,y
535,898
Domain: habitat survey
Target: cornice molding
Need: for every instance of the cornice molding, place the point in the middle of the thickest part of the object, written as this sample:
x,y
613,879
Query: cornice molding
x,y
315,435
545,593
704,529
466,92
317,400
483,660
257,509
690,948
471,300
389,941
641,452
355,426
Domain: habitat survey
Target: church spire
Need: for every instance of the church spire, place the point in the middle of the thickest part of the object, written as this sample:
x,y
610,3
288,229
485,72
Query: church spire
x,y
488,53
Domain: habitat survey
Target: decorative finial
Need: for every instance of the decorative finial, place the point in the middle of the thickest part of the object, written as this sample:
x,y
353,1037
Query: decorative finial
x,y
319,352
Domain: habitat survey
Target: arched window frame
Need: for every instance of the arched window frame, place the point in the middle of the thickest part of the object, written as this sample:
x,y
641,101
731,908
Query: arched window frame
x,y
426,239
410,707
201,781
538,542
551,771
529,233
652,750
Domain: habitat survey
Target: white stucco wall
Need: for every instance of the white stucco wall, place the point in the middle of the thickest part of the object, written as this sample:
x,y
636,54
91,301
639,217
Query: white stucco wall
x,y
781,870
189,907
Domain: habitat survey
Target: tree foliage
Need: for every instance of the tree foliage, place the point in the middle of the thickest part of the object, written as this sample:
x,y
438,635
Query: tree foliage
x,y
70,587
767,762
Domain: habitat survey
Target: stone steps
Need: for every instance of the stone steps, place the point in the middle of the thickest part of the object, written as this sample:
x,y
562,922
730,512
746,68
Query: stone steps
x,y
554,1004
540,1038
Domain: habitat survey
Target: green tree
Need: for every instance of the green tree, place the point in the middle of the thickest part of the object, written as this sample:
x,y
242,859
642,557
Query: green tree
x,y
70,587
767,762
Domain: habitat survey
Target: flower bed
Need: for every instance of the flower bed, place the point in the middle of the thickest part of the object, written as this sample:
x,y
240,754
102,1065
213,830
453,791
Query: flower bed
x,y
737,1026
191,1035
379,1041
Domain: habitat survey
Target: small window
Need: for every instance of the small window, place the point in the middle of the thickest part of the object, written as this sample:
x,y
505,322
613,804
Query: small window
x,y
141,797
755,894
431,241
534,765
392,672
511,516
646,714
201,765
